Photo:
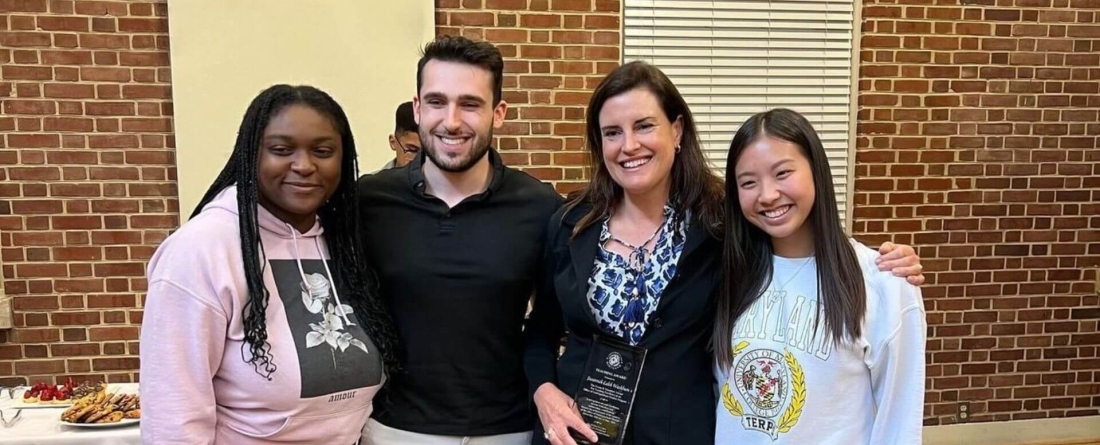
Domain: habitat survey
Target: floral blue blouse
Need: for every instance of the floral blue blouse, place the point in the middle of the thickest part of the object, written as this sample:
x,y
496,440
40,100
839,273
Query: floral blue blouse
x,y
620,311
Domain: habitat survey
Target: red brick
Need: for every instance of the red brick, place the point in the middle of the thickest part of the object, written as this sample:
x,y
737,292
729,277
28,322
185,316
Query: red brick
x,y
104,41
142,125
10,72
15,106
66,57
151,25
10,6
46,335
571,5
115,364
112,333
105,74
110,301
74,349
69,91
147,91
51,23
74,318
143,59
468,19
499,36
502,4
110,109
34,140
101,8
540,20
571,37
601,22
39,367
24,39
141,9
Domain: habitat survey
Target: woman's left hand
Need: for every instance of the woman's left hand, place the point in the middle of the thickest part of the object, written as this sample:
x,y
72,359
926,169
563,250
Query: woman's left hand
x,y
902,261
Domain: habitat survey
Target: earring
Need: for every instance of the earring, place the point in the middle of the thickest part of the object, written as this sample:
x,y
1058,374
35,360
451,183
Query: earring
x,y
677,148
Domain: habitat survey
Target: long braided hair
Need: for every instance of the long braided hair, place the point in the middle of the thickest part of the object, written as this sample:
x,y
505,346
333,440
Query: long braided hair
x,y
338,216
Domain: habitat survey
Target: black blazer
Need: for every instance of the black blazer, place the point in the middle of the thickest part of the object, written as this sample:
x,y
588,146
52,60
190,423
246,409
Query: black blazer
x,y
675,401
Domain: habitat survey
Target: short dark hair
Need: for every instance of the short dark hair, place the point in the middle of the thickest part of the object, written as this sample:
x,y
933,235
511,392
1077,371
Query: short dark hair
x,y
404,121
460,49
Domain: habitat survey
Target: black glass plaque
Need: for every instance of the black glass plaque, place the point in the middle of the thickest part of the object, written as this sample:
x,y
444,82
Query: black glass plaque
x,y
606,393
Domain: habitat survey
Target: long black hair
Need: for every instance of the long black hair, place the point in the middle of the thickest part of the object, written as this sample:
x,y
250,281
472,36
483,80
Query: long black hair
x,y
748,250
694,186
338,216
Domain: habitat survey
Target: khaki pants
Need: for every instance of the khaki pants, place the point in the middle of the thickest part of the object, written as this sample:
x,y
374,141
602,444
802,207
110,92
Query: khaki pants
x,y
379,434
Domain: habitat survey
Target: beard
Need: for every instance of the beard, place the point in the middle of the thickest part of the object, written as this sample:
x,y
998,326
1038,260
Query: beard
x,y
479,146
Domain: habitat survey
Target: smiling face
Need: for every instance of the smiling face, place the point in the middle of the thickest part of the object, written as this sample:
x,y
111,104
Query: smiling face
x,y
299,165
638,141
456,114
775,188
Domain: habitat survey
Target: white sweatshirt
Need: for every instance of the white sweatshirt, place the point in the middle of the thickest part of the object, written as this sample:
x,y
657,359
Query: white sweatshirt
x,y
788,385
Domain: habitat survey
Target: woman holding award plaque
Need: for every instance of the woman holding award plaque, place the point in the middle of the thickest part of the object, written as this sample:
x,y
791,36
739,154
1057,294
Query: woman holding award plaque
x,y
632,262
631,269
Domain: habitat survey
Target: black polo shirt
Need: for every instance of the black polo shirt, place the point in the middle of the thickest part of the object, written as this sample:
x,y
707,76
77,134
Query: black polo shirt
x,y
457,282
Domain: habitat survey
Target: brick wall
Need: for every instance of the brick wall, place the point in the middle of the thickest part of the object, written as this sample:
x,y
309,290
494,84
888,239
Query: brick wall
x,y
556,52
87,181
978,142
87,178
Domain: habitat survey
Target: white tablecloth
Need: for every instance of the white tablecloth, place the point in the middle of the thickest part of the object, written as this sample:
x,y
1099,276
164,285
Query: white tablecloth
x,y
42,426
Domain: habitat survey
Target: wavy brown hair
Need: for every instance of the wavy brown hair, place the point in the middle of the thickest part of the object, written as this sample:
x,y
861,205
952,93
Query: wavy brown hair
x,y
695,187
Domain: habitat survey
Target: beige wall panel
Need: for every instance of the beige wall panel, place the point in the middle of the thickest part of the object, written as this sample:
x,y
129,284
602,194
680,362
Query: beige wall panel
x,y
224,52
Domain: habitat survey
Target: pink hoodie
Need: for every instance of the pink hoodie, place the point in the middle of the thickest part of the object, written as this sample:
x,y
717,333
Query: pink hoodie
x,y
197,389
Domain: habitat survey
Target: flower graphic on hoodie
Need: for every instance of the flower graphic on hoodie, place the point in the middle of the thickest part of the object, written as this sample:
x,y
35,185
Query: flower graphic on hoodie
x,y
316,298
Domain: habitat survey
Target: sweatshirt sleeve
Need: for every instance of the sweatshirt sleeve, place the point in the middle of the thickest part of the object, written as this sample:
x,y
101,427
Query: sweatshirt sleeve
x,y
897,367
182,341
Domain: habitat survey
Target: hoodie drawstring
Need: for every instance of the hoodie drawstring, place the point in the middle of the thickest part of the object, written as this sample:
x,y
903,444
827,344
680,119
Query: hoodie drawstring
x,y
335,293
332,280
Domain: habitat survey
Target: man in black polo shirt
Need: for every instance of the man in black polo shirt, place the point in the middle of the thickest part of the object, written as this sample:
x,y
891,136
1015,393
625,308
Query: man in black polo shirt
x,y
456,239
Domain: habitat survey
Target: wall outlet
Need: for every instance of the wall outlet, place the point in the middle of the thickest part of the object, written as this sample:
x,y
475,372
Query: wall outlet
x,y
964,412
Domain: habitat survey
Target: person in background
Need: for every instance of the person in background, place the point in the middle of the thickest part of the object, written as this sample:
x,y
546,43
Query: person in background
x,y
261,322
405,140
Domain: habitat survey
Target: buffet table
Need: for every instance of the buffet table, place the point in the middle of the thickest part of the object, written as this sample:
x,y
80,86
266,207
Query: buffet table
x,y
42,426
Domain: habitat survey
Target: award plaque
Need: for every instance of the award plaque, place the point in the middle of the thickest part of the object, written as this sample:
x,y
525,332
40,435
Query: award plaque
x,y
607,388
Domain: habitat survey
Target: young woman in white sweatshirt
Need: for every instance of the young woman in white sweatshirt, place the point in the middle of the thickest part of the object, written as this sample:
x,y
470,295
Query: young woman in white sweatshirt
x,y
813,343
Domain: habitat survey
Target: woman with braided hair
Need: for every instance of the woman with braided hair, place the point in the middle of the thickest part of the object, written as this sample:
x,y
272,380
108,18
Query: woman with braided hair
x,y
262,323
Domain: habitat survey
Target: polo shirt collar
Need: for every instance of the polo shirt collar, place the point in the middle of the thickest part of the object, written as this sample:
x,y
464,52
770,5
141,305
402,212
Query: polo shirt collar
x,y
496,166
